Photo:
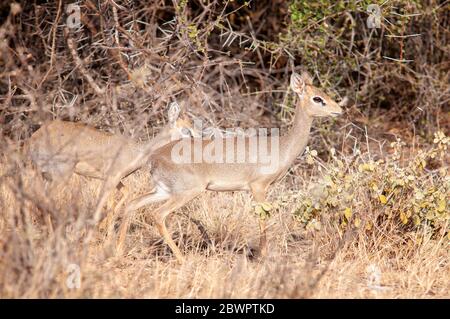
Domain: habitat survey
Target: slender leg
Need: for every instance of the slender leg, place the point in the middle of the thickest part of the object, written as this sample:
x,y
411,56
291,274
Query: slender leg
x,y
53,179
125,193
58,175
157,196
109,221
259,194
110,209
262,237
162,212
174,202
109,185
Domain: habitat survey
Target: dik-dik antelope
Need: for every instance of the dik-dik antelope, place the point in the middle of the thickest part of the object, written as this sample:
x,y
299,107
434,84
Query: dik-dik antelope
x,y
178,183
59,148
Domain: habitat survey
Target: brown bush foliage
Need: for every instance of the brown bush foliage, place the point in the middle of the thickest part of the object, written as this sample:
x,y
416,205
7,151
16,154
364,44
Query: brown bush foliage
x,y
228,60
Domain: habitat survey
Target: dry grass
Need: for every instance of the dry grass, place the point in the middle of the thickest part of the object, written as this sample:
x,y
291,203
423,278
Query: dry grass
x,y
303,262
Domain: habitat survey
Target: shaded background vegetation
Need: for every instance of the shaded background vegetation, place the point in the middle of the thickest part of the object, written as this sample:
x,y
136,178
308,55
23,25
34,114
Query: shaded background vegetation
x,y
230,60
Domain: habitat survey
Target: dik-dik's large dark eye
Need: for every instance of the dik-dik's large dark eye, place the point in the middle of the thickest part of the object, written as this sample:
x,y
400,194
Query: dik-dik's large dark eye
x,y
318,100
186,132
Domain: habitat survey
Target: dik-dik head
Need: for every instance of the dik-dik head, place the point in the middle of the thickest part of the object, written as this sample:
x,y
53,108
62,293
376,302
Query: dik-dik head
x,y
314,101
180,126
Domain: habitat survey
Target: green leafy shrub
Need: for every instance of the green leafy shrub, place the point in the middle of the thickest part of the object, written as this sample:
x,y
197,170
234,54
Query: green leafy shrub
x,y
358,193
385,68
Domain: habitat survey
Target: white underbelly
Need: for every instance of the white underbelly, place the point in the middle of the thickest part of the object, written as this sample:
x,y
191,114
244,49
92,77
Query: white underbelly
x,y
227,186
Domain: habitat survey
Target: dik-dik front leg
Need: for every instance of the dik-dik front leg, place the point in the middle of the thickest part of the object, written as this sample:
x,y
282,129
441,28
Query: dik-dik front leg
x,y
259,192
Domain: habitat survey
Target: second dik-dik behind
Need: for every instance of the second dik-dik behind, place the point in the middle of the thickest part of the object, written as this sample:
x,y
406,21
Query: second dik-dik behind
x,y
59,148
178,183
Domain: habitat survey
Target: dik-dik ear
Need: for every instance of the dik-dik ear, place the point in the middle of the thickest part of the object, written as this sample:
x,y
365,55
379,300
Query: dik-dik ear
x,y
174,112
299,82
307,78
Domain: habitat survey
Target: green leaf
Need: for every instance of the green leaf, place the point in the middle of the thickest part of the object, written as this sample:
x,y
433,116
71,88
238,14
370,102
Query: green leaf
x,y
383,199
403,218
348,213
441,206
266,206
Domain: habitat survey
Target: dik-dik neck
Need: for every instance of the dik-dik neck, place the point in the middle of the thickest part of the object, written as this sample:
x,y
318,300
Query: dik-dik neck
x,y
164,136
296,139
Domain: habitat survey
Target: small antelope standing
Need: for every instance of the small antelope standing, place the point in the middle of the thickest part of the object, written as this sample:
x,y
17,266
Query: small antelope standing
x,y
59,148
178,183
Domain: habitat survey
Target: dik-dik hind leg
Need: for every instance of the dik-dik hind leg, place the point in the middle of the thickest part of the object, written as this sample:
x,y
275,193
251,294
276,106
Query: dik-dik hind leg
x,y
125,192
109,185
114,210
156,196
175,202
259,192
160,214
58,175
